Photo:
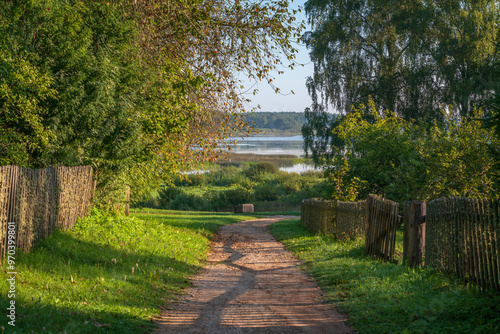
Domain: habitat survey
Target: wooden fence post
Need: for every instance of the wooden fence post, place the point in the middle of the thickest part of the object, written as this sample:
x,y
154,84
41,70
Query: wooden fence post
x,y
368,241
127,199
415,232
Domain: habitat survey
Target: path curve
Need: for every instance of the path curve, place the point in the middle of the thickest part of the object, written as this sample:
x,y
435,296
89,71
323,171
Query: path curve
x,y
251,285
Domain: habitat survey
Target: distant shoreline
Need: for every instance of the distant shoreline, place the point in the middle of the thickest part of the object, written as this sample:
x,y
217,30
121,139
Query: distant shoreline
x,y
270,133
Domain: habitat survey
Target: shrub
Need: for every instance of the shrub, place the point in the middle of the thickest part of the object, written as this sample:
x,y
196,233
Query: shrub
x,y
228,199
295,198
166,194
227,176
262,167
187,202
268,192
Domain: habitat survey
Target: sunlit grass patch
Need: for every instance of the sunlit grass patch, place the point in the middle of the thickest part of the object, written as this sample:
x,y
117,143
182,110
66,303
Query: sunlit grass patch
x,y
109,274
388,298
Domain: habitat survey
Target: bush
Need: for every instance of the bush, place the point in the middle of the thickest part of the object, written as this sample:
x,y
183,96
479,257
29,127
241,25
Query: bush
x,y
401,160
166,194
268,192
295,198
187,202
260,168
227,176
228,199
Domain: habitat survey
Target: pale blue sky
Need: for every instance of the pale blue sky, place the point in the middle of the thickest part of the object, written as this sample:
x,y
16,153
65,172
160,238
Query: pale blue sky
x,y
291,80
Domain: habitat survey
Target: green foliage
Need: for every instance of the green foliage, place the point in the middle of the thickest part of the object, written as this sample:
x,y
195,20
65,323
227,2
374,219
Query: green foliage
x,y
185,202
382,297
226,176
229,186
228,199
402,161
410,56
493,122
125,87
81,280
268,192
257,169
320,142
166,194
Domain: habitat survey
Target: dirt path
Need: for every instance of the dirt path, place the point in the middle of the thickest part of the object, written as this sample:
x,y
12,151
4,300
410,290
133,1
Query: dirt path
x,y
251,285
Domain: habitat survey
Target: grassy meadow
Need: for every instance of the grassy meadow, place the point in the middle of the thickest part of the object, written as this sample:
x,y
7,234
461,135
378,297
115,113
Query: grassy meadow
x,y
229,183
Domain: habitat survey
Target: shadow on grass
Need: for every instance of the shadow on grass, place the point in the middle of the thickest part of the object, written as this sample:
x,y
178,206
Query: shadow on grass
x,y
38,317
66,284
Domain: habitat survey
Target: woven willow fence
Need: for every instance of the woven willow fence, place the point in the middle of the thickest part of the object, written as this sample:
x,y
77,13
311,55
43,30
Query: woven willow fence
x,y
351,219
40,201
382,221
318,216
461,239
342,219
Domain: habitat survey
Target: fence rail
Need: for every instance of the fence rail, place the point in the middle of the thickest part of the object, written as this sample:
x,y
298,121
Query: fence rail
x,y
39,201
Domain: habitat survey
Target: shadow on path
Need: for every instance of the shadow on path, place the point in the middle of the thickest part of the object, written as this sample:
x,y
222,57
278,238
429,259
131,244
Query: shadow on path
x,y
251,285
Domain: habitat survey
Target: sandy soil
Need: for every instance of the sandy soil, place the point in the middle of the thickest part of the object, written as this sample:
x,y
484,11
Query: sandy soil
x,y
251,285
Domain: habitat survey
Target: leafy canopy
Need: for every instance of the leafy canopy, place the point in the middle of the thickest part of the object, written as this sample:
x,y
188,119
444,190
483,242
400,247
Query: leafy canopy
x,y
136,89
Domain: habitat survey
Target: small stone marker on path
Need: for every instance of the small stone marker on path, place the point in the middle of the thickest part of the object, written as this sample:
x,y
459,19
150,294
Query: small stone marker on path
x,y
244,208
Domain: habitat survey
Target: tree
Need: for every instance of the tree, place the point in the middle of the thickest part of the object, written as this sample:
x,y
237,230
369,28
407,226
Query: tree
x,y
463,43
412,57
320,141
357,52
403,160
136,89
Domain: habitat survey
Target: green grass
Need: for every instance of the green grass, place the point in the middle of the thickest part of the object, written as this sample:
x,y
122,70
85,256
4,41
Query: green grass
x,y
81,280
387,298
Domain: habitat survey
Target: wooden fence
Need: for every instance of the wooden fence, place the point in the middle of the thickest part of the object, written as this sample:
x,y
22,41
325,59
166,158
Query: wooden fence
x,y
318,216
414,216
351,219
461,239
457,236
382,221
342,219
39,201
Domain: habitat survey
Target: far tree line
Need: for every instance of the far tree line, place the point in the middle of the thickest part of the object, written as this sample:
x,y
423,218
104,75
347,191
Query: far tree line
x,y
283,120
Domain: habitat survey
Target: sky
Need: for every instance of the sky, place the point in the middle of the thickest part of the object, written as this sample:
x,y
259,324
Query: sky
x,y
290,80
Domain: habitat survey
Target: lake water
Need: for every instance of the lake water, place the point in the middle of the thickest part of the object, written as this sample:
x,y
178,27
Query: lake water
x,y
291,145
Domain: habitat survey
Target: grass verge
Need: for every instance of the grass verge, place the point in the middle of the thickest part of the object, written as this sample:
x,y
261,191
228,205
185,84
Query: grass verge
x,y
108,274
387,298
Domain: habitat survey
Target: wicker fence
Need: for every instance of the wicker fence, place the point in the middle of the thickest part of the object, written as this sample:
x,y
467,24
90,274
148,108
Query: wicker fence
x,y
342,219
318,216
457,236
39,201
351,219
461,239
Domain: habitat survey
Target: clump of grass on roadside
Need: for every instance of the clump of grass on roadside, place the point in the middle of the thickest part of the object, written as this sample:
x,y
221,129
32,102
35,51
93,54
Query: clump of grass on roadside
x,y
387,298
109,274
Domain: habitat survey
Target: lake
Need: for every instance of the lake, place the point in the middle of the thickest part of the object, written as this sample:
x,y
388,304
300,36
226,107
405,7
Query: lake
x,y
291,145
